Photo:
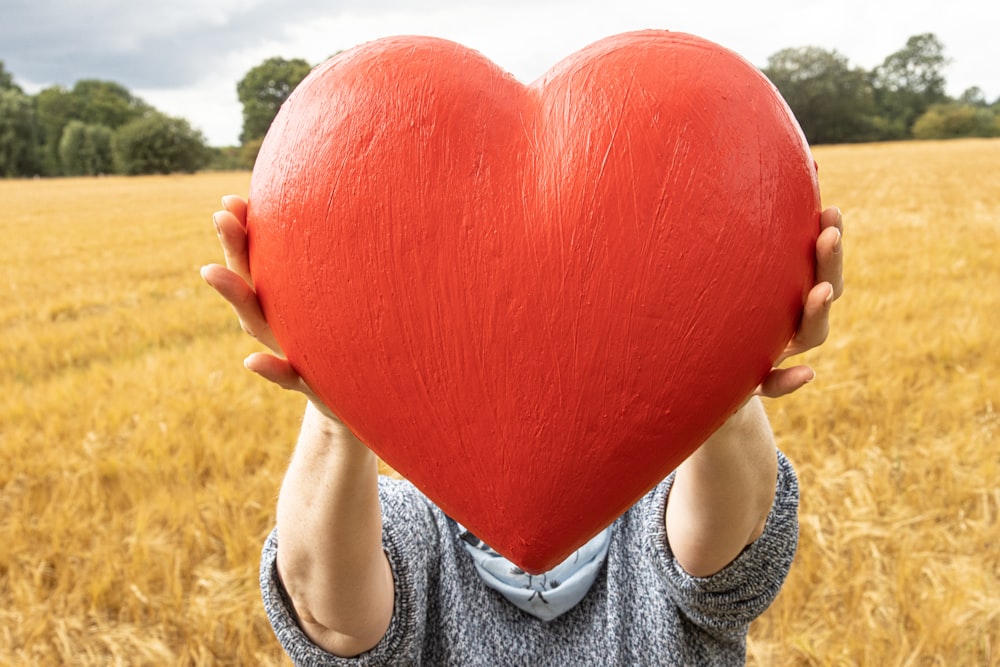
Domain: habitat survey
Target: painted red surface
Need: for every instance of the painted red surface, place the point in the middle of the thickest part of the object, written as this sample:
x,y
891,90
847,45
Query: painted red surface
x,y
534,301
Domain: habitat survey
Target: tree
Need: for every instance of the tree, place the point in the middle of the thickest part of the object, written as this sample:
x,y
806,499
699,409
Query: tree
x,y
18,141
159,144
85,150
909,81
90,101
974,96
951,121
249,151
7,80
264,89
106,103
56,107
224,158
832,102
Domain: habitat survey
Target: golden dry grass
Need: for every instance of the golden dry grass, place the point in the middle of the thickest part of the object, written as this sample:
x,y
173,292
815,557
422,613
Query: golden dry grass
x,y
142,462
896,440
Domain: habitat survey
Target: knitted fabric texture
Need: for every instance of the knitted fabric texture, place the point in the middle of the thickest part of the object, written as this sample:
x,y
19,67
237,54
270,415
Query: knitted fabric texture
x,y
643,608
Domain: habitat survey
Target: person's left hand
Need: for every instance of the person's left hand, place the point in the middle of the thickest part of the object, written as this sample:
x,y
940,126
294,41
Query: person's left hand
x,y
815,324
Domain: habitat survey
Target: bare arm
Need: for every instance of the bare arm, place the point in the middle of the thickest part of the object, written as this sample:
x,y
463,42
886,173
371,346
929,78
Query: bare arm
x,y
330,557
722,494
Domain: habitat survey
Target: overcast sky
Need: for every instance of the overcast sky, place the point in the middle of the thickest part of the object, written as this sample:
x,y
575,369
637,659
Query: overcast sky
x,y
185,56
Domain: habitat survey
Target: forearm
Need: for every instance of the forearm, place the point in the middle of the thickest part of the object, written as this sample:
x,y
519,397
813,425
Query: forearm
x,y
330,556
722,494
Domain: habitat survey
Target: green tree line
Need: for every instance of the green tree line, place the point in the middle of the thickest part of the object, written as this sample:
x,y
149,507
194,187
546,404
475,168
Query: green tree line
x,y
95,127
902,98
99,127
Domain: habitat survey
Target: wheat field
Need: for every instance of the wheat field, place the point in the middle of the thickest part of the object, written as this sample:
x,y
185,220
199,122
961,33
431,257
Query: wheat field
x,y
142,461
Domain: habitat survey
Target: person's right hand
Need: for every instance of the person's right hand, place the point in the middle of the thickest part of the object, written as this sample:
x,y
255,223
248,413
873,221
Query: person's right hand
x,y
234,283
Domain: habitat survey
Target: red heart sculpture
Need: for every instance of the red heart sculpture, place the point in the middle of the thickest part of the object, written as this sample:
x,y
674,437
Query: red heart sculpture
x,y
534,301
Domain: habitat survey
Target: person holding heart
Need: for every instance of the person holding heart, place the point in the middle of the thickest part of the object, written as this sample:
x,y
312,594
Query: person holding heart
x,y
370,572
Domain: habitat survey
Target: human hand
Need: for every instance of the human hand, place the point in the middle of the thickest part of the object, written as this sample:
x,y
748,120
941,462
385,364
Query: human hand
x,y
235,284
815,324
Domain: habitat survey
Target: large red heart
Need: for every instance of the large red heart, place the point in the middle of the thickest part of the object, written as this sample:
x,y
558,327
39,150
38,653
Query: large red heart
x,y
534,301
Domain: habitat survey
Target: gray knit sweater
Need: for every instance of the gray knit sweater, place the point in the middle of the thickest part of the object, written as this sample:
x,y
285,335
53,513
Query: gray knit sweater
x,y
643,609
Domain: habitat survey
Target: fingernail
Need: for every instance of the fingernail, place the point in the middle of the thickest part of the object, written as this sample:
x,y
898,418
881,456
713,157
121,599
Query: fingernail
x,y
215,221
829,297
837,245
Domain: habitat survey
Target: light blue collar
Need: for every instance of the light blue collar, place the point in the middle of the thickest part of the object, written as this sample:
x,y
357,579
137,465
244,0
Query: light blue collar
x,y
548,595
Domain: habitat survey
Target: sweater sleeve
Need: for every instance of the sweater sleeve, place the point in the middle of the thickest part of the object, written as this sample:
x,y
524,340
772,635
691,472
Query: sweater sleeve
x,y
729,600
409,539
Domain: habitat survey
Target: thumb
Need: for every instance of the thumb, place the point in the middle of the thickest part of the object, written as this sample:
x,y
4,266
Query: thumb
x,y
276,370
280,372
784,381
